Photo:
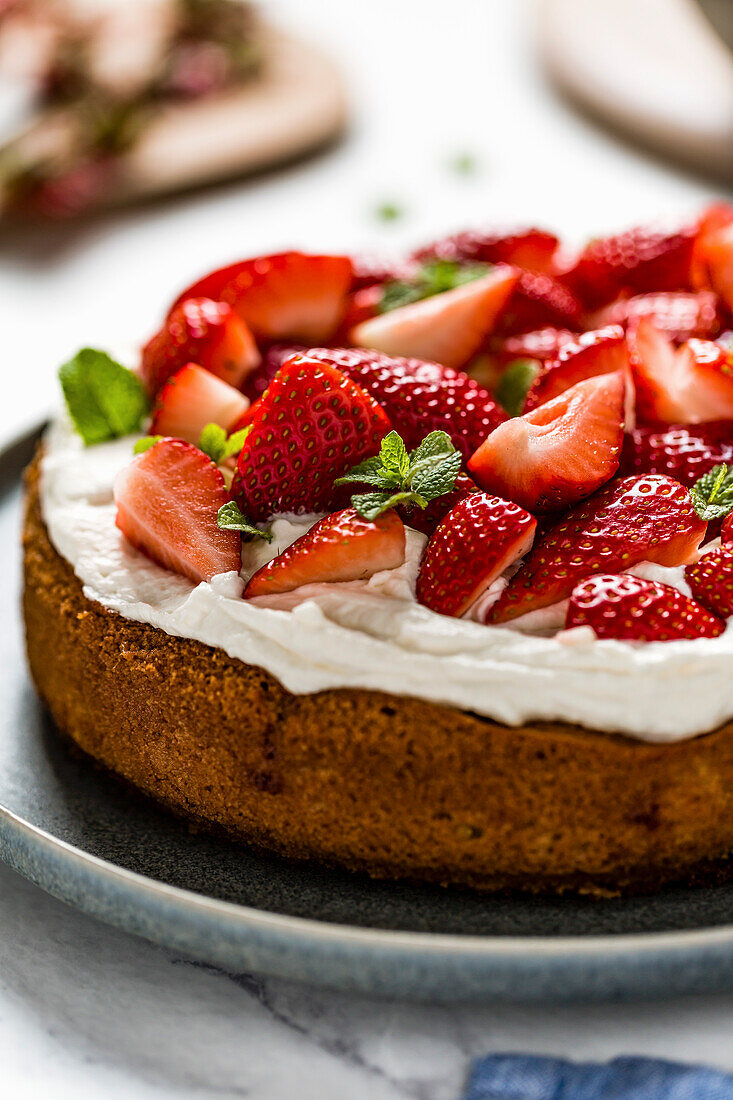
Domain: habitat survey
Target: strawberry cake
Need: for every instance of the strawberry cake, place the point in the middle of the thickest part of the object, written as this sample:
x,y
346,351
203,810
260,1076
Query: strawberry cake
x,y
420,568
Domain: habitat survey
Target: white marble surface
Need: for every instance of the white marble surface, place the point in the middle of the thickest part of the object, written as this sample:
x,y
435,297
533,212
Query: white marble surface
x,y
86,1011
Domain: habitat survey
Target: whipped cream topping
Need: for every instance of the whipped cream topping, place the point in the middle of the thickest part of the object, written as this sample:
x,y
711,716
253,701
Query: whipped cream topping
x,y
373,634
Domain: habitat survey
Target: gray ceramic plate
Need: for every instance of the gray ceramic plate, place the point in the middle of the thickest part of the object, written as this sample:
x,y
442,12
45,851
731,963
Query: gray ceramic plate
x,y
85,838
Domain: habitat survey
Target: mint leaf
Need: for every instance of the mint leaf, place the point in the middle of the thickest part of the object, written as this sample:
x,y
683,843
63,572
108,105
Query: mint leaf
x,y
105,400
712,494
436,443
514,384
393,457
215,442
371,505
437,476
434,277
235,442
146,443
230,518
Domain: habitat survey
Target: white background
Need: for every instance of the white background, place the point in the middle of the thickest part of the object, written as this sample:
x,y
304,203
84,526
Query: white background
x,y
86,1011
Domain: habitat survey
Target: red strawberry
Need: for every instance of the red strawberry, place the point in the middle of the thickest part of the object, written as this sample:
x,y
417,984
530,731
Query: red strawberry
x,y
532,249
193,398
726,531
448,328
683,451
311,426
362,306
369,270
427,519
340,547
679,316
539,300
291,295
201,331
471,547
167,502
715,256
420,397
687,385
631,609
633,519
711,580
601,352
543,343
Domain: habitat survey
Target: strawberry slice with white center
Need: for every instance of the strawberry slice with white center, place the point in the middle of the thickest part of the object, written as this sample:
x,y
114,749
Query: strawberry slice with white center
x,y
602,351
193,398
633,519
472,546
632,609
558,453
448,328
167,504
341,547
686,385
290,295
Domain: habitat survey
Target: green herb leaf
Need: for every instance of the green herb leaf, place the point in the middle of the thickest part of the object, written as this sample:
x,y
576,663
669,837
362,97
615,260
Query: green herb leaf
x,y
371,505
514,384
712,494
436,477
432,278
215,443
146,443
393,457
105,400
230,518
464,164
389,212
235,442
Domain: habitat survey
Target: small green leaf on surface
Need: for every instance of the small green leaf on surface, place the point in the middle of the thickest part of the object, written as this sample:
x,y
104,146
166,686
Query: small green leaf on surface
x,y
514,385
465,164
215,442
712,494
388,212
434,277
230,518
146,443
105,400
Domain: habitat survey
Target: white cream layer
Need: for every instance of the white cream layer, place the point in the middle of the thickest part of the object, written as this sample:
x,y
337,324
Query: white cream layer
x,y
372,634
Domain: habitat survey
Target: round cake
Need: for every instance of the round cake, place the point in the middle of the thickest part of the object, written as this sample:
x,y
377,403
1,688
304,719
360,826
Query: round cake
x,y
450,604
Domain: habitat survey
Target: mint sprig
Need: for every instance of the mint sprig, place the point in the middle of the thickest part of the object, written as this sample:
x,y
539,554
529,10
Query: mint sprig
x,y
412,479
432,278
514,384
146,443
230,518
712,494
219,446
105,400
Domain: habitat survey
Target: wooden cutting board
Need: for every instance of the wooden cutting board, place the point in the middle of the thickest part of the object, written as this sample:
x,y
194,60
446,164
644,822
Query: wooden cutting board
x,y
653,69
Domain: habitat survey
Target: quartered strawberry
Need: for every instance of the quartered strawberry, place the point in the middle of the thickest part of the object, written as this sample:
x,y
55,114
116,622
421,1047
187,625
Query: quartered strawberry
x,y
420,397
558,453
686,385
680,316
542,344
532,249
473,545
341,547
632,609
193,398
291,295
201,331
311,426
538,301
684,451
427,519
633,519
711,580
602,351
167,503
448,328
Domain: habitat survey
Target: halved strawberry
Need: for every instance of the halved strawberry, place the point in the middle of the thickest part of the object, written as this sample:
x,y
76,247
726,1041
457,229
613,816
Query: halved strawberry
x,y
448,328
558,453
420,397
680,316
427,519
291,295
193,398
167,503
542,344
686,385
715,257
473,545
711,580
632,609
341,547
538,301
310,427
532,249
684,451
602,351
633,519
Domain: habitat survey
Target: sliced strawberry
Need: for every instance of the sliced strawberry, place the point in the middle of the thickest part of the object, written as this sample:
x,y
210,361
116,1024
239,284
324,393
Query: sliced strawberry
x,y
715,256
532,249
602,351
473,545
558,453
448,328
711,580
683,451
542,344
291,295
311,426
193,398
201,331
686,385
633,519
679,316
340,547
420,397
538,301
632,609
427,519
726,531
167,503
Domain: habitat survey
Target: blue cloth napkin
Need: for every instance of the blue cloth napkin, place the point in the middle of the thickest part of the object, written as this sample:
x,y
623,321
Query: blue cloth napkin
x,y
520,1077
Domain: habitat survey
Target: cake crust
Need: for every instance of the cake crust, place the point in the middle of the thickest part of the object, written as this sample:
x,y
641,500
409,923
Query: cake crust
x,y
391,785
